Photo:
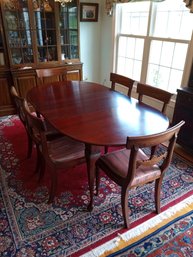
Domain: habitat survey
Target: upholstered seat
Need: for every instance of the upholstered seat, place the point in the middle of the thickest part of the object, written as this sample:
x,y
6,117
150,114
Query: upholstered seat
x,y
118,162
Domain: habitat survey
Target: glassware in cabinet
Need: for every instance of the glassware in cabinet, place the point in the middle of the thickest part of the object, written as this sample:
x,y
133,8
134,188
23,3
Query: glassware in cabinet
x,y
69,31
45,23
18,31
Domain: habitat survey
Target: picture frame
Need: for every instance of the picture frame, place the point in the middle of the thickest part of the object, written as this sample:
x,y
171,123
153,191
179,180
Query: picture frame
x,y
89,11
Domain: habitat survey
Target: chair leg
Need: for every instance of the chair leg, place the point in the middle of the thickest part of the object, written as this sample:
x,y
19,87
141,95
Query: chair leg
x,y
106,149
158,184
125,208
42,168
30,146
53,185
97,180
38,160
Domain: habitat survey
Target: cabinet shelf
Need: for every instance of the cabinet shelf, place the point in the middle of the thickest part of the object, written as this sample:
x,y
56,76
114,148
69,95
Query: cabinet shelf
x,y
30,27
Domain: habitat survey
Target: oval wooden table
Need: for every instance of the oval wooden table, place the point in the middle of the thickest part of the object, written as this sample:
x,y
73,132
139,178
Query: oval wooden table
x,y
95,115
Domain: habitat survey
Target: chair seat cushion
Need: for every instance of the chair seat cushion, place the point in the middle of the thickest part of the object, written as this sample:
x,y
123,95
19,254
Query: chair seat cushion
x,y
117,162
65,149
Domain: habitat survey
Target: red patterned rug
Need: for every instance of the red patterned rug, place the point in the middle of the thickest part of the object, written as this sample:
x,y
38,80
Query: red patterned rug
x,y
31,227
167,234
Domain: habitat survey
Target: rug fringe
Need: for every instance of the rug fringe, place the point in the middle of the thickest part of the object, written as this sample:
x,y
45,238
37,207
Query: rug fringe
x,y
134,233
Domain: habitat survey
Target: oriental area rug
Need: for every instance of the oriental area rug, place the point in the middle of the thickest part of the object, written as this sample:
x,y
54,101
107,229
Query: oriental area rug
x,y
31,227
167,234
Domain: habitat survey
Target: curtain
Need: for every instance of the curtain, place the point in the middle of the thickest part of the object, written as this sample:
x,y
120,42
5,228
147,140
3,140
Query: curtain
x,y
189,4
109,3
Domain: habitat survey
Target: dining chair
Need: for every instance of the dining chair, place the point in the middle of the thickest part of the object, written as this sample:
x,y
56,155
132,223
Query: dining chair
x,y
117,80
51,133
51,74
161,95
132,167
19,107
56,154
153,92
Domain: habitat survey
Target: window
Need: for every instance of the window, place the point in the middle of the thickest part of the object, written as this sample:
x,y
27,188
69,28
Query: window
x,y
153,42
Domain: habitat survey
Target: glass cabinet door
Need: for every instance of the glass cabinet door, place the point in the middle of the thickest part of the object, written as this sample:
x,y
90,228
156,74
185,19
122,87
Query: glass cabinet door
x,y
45,25
19,37
39,31
69,31
2,50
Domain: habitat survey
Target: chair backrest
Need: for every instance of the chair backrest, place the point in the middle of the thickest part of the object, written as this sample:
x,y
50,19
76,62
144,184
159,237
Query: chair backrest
x,y
137,143
117,79
19,104
51,74
153,92
36,128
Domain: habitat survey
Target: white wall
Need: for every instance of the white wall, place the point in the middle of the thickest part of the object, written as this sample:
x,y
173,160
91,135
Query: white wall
x,y
96,46
90,44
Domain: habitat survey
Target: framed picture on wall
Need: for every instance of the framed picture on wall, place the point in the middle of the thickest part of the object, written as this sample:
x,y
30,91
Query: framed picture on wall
x,y
89,11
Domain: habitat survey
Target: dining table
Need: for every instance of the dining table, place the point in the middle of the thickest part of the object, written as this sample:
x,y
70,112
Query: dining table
x,y
95,115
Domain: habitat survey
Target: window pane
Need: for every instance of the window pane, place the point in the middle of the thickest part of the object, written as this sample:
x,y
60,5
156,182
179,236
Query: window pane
x,y
136,71
122,46
120,65
155,53
179,56
130,48
172,20
158,76
166,59
129,57
128,69
134,18
153,75
167,54
175,80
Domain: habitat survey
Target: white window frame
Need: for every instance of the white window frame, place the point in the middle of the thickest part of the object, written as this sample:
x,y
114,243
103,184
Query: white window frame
x,y
147,39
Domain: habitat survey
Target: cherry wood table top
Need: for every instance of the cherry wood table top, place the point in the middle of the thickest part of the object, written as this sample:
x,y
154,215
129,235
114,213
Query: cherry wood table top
x,y
94,114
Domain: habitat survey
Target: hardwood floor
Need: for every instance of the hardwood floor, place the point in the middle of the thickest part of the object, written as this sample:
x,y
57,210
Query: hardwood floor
x,y
183,152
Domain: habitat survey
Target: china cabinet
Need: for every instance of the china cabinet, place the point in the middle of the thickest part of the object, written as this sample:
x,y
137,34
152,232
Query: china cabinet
x,y
6,105
35,34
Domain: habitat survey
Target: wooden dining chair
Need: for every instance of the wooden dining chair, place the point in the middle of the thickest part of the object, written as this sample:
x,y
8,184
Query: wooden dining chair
x,y
51,74
56,154
51,133
161,95
153,92
132,167
117,80
19,107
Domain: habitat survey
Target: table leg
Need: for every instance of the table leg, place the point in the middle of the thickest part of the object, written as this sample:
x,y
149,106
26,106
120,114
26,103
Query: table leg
x,y
92,153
